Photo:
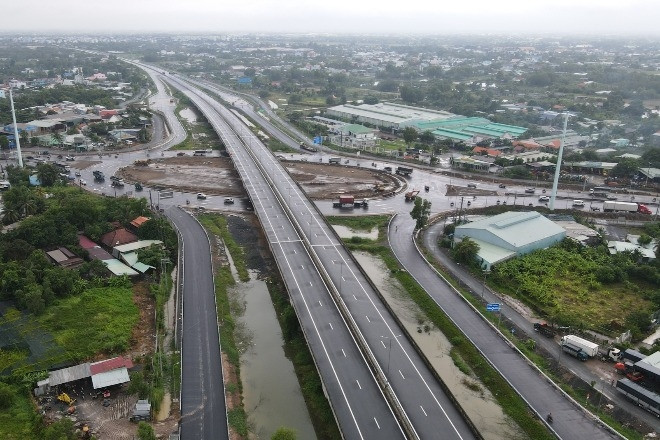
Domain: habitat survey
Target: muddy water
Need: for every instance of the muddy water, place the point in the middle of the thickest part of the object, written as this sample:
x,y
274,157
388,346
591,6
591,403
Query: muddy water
x,y
188,115
271,392
346,232
479,404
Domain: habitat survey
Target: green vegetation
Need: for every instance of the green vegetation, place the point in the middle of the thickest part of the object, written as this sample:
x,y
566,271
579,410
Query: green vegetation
x,y
284,433
105,316
17,421
583,287
463,352
146,432
217,225
359,223
200,134
421,212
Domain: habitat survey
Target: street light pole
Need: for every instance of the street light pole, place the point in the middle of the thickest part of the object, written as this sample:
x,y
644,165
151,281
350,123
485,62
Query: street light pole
x,y
486,272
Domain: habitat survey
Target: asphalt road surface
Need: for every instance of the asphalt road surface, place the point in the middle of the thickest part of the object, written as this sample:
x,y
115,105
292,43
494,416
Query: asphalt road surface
x,y
203,410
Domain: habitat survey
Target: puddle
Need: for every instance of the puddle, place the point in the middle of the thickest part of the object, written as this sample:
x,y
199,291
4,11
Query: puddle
x,y
188,115
480,406
346,232
271,393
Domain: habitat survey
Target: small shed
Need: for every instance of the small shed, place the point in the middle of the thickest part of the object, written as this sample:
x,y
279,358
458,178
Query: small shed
x,y
141,411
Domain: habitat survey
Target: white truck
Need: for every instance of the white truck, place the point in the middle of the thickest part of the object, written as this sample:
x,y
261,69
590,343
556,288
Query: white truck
x,y
611,206
588,347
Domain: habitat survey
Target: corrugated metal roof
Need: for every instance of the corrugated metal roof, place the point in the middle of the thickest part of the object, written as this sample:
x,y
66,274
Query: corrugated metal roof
x,y
517,228
110,364
109,378
70,374
130,247
118,268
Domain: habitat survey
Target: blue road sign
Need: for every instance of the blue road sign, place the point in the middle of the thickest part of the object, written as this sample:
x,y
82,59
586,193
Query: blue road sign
x,y
493,307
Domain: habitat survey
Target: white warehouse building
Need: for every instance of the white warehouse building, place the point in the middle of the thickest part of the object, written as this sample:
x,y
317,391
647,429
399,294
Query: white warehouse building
x,y
510,234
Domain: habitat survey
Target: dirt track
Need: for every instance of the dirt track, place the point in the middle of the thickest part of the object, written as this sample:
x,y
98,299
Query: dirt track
x,y
218,176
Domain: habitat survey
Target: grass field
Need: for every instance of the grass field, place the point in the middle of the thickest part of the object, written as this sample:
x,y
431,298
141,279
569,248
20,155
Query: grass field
x,y
18,421
99,320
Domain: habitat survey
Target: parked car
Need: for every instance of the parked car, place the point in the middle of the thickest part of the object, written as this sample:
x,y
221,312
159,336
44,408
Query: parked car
x,y
502,185
544,199
471,185
77,173
229,201
181,153
578,203
201,196
69,158
530,190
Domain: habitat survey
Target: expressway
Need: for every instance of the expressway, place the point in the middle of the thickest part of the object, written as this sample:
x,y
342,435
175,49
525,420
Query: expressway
x,y
347,326
532,385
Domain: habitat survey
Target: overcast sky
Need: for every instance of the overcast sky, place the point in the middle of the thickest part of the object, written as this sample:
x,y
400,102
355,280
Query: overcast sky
x,y
633,17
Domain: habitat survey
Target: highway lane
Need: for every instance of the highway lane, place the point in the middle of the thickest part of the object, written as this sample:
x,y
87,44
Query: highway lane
x,y
570,420
203,409
420,393
359,406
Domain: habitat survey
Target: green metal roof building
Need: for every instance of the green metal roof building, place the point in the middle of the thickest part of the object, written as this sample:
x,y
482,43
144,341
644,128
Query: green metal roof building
x,y
462,128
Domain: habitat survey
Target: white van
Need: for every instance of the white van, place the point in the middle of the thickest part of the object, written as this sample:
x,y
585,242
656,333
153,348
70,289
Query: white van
x,y
578,203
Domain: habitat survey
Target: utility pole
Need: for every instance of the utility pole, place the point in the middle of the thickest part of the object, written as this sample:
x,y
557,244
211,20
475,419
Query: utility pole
x,y
16,139
555,183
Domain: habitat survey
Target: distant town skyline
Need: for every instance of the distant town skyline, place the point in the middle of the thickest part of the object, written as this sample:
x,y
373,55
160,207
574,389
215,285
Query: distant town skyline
x,y
607,17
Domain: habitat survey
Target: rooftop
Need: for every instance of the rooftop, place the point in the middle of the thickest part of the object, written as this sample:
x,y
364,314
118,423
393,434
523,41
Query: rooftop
x,y
517,228
110,364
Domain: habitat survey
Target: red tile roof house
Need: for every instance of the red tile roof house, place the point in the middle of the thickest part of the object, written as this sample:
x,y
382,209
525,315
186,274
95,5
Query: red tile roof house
x,y
137,222
488,151
118,237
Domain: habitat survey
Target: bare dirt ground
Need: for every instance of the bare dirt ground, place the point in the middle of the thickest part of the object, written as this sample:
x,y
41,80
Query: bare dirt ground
x,y
212,175
218,176
84,163
453,190
329,181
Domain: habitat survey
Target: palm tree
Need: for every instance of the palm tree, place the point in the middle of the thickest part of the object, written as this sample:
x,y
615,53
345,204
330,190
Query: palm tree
x,y
10,216
57,136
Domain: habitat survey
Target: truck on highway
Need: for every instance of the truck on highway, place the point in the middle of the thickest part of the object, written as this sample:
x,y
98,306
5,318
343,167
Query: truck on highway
x,y
336,160
588,347
345,201
544,329
404,171
612,206
574,351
